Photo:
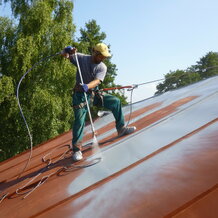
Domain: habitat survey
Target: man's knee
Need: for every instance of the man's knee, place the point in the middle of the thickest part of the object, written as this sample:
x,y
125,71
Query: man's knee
x,y
117,100
116,103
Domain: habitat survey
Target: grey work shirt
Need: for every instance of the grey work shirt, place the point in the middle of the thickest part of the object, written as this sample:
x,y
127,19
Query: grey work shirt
x,y
89,70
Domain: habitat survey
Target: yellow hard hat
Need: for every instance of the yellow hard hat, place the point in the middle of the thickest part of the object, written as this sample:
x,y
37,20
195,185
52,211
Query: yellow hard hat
x,y
103,49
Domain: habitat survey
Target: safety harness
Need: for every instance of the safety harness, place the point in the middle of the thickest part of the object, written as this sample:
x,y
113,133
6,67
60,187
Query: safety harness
x,y
92,92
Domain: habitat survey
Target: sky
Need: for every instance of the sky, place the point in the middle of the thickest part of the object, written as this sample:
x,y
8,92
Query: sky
x,y
150,38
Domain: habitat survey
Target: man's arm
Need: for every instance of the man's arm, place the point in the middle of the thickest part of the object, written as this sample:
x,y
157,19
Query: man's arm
x,y
90,85
67,54
94,83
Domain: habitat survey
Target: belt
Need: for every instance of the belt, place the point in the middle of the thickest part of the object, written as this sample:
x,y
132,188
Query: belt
x,y
79,106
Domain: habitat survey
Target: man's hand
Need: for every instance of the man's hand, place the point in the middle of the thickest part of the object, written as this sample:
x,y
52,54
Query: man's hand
x,y
69,50
85,87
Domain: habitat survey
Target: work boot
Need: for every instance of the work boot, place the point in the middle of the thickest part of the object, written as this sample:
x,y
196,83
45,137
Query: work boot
x,y
126,130
77,156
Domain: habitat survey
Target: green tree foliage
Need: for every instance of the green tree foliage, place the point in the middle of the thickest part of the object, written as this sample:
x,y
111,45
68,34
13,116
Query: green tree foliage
x,y
8,105
177,79
6,88
7,41
206,67
91,35
44,28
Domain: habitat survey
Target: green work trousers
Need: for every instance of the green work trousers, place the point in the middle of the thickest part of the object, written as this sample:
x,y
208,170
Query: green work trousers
x,y
110,102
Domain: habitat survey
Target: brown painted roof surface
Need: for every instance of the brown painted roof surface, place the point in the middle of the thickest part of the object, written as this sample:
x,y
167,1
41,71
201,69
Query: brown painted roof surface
x,y
167,168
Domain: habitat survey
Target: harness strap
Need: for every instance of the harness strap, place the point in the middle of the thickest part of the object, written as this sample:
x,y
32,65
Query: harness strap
x,y
100,96
79,106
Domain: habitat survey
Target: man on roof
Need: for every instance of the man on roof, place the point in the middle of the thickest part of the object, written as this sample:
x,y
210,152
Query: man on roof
x,y
93,72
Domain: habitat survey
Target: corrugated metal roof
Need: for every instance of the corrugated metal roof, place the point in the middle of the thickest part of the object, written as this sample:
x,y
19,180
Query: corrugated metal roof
x,y
167,168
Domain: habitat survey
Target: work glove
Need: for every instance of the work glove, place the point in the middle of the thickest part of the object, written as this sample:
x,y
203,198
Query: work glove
x,y
84,87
